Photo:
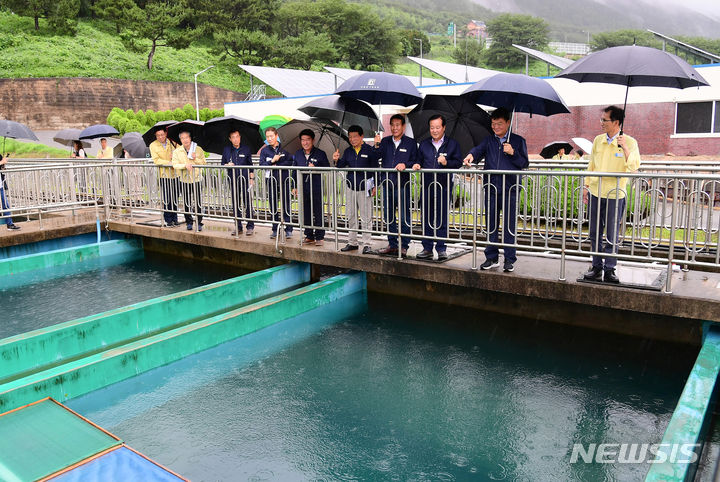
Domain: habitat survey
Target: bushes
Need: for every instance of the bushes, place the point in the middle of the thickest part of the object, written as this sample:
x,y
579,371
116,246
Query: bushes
x,y
130,121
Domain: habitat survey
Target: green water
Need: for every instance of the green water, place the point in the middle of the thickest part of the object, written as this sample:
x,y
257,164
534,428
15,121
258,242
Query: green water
x,y
402,390
86,293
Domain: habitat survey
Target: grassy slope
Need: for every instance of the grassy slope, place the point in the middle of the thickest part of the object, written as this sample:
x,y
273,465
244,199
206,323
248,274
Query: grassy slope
x,y
96,51
17,149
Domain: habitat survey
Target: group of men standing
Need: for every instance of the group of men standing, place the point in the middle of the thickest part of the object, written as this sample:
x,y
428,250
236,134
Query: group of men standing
x,y
501,151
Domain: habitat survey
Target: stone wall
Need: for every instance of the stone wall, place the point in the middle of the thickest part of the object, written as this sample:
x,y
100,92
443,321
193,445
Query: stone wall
x,y
59,103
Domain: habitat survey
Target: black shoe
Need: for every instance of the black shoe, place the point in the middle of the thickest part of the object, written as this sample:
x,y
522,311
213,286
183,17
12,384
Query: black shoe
x,y
610,276
366,250
200,227
490,263
273,235
508,267
13,226
389,250
249,231
442,255
593,274
403,252
189,227
349,247
424,254
288,234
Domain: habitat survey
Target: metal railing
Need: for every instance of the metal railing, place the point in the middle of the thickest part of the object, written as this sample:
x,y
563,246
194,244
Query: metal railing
x,y
669,218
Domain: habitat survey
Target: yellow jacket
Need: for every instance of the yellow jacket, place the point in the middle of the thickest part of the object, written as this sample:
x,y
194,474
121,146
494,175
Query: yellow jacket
x,y
106,153
162,156
558,157
180,159
611,158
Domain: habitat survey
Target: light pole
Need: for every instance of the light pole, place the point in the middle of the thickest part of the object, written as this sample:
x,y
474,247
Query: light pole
x,y
197,104
421,52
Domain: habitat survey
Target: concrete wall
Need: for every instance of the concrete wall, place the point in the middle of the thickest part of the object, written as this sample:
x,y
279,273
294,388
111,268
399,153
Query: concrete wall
x,y
651,124
59,103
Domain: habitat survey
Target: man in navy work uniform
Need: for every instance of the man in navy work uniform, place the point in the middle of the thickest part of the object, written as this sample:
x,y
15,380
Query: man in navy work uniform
x,y
436,152
237,154
504,152
278,181
360,187
310,156
399,152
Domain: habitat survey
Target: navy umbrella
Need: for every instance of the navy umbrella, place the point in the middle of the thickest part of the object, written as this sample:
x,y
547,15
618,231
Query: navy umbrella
x,y
134,144
98,130
195,128
517,92
634,66
149,135
15,130
216,133
465,121
328,136
380,88
345,111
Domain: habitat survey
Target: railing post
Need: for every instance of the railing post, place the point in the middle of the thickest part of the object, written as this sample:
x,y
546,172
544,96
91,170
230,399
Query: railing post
x,y
671,250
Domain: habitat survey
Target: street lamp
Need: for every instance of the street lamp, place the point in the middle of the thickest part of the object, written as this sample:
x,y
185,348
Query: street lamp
x,y
197,104
421,52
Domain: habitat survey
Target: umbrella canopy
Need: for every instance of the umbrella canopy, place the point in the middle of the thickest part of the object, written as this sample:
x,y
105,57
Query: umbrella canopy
x,y
328,136
583,144
66,137
272,120
380,88
134,144
149,135
345,111
634,66
98,130
217,131
195,128
552,149
466,122
517,92
16,130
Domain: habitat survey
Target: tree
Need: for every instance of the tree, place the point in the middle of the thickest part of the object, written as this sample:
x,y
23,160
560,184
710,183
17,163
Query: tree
x,y
508,29
605,40
114,11
302,51
248,47
214,16
410,44
159,22
61,14
469,52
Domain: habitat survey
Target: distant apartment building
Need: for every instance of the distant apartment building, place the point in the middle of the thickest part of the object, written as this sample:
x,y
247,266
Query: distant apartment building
x,y
477,29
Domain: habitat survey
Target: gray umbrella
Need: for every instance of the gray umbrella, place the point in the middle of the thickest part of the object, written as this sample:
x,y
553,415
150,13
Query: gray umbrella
x,y
66,137
15,130
133,143
634,66
344,111
328,136
98,130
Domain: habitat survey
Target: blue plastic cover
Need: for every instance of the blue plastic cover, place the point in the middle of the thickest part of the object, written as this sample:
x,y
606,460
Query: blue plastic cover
x,y
121,464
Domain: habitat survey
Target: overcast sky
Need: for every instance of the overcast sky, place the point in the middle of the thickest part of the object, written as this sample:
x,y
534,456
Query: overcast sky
x,y
709,7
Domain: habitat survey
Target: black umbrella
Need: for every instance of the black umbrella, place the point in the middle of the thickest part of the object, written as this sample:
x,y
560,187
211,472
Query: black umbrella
x,y
466,122
345,111
134,144
66,137
552,149
517,92
217,131
15,130
328,136
380,88
634,66
98,130
195,128
149,135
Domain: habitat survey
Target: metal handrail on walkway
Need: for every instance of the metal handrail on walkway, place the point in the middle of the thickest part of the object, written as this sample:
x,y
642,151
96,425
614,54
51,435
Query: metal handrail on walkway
x,y
669,218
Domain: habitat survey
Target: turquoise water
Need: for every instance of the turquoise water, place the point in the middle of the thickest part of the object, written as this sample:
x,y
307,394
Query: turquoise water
x,y
400,390
89,292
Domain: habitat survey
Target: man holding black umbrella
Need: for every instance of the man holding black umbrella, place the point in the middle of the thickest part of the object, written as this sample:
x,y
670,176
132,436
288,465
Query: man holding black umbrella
x,y
398,152
161,151
241,180
611,152
310,156
503,152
